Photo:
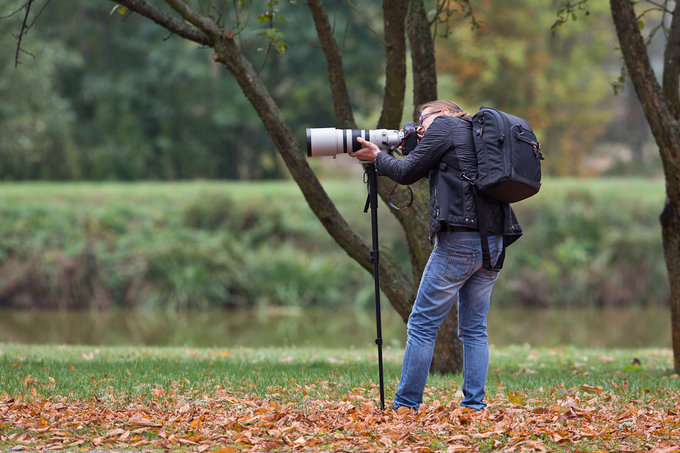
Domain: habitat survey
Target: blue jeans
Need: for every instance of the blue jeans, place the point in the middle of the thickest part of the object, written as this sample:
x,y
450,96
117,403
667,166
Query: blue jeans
x,y
454,268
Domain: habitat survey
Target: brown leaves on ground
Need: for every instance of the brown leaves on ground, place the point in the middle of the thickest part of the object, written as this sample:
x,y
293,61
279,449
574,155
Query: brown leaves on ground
x,y
578,419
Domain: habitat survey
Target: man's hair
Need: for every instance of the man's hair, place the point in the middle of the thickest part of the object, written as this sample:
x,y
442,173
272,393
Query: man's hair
x,y
453,108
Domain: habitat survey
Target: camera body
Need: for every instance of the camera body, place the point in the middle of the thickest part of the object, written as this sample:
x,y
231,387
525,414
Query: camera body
x,y
328,141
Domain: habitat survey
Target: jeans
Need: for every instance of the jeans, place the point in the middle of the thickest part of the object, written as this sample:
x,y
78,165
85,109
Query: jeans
x,y
454,268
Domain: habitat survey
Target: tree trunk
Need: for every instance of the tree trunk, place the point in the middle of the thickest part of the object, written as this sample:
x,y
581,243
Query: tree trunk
x,y
662,110
394,14
336,73
670,224
448,351
422,55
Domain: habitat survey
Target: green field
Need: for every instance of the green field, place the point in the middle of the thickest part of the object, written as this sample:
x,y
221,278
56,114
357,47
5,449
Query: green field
x,y
81,372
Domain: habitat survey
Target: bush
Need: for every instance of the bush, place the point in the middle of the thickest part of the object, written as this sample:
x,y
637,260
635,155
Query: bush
x,y
588,243
229,245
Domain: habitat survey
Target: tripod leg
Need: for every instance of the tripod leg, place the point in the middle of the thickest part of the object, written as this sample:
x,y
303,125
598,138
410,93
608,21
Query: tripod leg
x,y
372,179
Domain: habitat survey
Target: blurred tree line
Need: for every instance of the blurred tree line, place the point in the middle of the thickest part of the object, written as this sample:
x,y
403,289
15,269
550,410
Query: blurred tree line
x,y
93,101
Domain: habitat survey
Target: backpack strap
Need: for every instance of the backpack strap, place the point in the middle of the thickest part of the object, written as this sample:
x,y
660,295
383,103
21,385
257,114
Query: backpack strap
x,y
486,254
484,235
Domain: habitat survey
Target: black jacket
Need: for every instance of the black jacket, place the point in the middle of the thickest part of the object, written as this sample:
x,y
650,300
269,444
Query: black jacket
x,y
444,154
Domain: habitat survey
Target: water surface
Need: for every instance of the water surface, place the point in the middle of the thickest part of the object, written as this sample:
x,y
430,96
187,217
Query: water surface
x,y
346,328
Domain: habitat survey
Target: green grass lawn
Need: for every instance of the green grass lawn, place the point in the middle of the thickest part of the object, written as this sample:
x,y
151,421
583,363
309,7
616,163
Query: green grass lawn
x,y
81,372
46,391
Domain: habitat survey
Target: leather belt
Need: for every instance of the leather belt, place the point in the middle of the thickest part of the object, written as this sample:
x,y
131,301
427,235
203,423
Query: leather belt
x,y
457,229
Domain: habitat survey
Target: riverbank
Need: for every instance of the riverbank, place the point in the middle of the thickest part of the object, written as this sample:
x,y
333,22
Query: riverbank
x,y
208,245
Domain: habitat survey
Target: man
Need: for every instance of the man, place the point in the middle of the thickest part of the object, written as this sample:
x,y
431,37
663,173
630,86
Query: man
x,y
444,153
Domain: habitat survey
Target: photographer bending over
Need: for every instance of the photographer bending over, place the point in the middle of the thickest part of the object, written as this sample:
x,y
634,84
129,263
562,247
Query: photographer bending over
x,y
455,266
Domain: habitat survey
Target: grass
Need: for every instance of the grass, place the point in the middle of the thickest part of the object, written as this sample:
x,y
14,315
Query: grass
x,y
80,372
282,399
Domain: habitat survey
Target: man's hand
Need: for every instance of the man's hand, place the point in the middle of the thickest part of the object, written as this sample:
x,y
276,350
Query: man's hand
x,y
368,153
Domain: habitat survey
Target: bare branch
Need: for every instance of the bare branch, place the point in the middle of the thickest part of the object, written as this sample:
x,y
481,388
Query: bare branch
x,y
368,25
25,26
206,25
177,26
16,11
42,9
268,50
240,24
444,12
22,32
439,7
663,7
336,73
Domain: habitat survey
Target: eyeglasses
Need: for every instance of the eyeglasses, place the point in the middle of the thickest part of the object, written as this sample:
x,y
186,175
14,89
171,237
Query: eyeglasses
x,y
425,115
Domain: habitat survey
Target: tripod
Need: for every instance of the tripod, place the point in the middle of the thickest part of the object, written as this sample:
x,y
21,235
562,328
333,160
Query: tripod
x,y
371,179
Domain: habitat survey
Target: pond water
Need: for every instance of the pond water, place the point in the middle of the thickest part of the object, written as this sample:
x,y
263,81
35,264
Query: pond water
x,y
610,328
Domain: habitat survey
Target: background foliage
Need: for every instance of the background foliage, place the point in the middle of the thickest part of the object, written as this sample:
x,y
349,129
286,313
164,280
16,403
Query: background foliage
x,y
209,245
560,81
105,96
111,97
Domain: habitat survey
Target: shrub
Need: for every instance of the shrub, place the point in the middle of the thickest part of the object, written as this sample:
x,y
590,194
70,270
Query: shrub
x,y
230,245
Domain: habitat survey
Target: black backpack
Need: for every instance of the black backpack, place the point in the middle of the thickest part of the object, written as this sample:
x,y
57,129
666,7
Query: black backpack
x,y
508,156
508,170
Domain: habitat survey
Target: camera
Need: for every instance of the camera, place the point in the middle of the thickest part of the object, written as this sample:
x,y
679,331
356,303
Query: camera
x,y
328,141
